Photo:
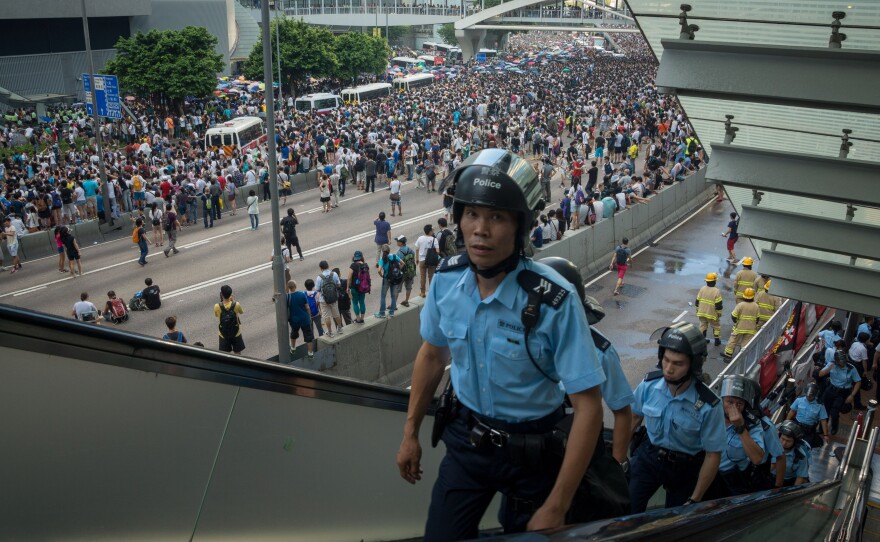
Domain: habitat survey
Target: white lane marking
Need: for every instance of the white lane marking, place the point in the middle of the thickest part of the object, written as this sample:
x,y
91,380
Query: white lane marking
x,y
311,252
680,316
680,224
196,244
29,291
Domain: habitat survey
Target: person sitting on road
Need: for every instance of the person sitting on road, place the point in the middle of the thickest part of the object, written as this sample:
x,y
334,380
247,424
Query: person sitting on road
x,y
114,309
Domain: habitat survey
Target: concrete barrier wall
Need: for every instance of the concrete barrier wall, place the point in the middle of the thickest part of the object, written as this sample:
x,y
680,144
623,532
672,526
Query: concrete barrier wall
x,y
35,245
88,233
383,350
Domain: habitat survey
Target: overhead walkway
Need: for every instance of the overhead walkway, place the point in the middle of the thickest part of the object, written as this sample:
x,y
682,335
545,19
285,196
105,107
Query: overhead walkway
x,y
111,435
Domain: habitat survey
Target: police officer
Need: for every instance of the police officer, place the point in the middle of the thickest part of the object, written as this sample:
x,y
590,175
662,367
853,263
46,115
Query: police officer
x,y
797,454
843,386
809,413
745,450
767,303
684,423
774,453
709,307
615,390
745,323
514,329
744,279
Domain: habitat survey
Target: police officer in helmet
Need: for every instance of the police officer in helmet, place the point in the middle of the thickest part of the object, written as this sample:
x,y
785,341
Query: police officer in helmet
x,y
681,445
797,454
513,330
745,452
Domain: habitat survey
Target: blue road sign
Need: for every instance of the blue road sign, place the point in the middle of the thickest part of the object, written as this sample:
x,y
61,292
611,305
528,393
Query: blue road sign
x,y
106,95
480,57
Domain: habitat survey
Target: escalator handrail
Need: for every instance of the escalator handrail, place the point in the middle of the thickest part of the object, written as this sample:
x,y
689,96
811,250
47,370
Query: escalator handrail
x,y
55,335
672,524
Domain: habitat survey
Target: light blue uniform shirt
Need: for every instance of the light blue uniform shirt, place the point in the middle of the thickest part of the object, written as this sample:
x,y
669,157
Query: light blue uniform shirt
x,y
774,447
829,337
864,328
683,423
829,355
809,412
844,377
734,455
615,390
795,467
491,372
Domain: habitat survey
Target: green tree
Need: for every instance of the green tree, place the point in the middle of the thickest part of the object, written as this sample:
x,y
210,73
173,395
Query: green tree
x,y
359,53
167,63
447,33
306,51
396,32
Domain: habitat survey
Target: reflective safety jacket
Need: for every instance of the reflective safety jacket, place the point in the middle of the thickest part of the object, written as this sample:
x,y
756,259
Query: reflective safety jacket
x,y
745,318
767,305
744,279
708,302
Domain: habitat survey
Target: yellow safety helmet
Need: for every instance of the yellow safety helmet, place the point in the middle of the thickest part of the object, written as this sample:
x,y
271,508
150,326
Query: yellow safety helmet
x,y
748,261
749,293
711,277
767,285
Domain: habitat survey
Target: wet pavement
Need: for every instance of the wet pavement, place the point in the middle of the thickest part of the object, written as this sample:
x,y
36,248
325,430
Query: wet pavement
x,y
661,285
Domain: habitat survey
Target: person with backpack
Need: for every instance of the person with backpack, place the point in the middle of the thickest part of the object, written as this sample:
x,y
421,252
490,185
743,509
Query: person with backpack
x,y
173,334
171,226
407,257
427,257
139,237
358,285
207,208
344,301
114,309
299,318
327,284
623,259
288,229
314,309
392,273
227,312
446,239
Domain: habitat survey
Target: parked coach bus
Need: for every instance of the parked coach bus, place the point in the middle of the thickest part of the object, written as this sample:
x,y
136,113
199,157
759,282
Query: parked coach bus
x,y
405,62
365,92
322,102
242,133
410,82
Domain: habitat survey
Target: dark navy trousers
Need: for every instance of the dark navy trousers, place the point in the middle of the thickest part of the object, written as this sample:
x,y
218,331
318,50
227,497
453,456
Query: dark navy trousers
x,y
647,472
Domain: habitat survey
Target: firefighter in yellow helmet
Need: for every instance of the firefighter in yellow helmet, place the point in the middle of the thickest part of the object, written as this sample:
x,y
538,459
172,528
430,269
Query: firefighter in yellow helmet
x,y
744,279
709,307
745,323
767,304
759,283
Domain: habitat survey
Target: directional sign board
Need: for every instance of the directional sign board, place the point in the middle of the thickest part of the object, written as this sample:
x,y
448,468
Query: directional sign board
x,y
480,58
106,95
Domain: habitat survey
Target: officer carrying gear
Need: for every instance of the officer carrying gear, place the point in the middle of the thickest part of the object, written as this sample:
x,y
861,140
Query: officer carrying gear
x,y
709,307
744,279
809,413
745,323
797,454
680,446
767,304
513,330
741,459
845,382
775,454
615,391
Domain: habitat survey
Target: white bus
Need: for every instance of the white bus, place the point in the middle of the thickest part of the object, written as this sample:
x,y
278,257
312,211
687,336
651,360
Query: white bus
x,y
451,52
366,92
406,62
431,61
490,53
429,46
242,133
322,102
413,81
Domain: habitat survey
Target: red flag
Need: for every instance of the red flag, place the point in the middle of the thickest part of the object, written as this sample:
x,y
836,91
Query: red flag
x,y
768,374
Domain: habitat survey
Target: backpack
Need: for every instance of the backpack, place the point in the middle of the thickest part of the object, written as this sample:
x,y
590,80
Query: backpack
x,y
168,226
56,200
409,265
228,322
343,173
313,303
41,204
395,273
136,183
328,289
363,279
447,244
431,256
579,197
135,235
620,251
288,228
117,309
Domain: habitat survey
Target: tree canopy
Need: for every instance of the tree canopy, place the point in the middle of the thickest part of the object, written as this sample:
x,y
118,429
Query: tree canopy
x,y
447,33
359,53
306,51
169,63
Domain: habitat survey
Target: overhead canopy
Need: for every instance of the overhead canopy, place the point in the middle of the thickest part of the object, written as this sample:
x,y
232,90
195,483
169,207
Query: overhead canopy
x,y
777,69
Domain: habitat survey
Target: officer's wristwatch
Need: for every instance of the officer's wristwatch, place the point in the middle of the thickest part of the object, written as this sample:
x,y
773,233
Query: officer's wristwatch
x,y
739,429
690,501
625,466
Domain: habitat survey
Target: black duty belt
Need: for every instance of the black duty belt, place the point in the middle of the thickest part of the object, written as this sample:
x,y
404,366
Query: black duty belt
x,y
489,431
673,456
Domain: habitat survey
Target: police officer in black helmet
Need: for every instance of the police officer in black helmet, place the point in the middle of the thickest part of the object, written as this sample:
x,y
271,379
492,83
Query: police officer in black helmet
x,y
680,448
513,330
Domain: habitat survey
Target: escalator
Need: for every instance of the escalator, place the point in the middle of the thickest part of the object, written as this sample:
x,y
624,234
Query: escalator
x,y
112,435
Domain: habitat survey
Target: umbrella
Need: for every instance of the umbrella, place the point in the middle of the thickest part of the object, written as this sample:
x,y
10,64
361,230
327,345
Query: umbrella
x,y
566,70
45,119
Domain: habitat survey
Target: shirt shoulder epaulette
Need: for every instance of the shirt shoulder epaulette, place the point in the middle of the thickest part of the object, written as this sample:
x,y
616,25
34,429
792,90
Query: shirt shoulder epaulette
x,y
653,375
456,261
602,343
706,394
531,281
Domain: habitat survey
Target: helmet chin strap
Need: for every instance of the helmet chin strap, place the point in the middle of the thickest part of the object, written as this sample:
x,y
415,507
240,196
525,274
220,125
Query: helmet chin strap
x,y
505,266
680,381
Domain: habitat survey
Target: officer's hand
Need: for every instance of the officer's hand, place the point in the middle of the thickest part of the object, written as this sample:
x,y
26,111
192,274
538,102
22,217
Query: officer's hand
x,y
409,459
849,400
733,414
547,517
